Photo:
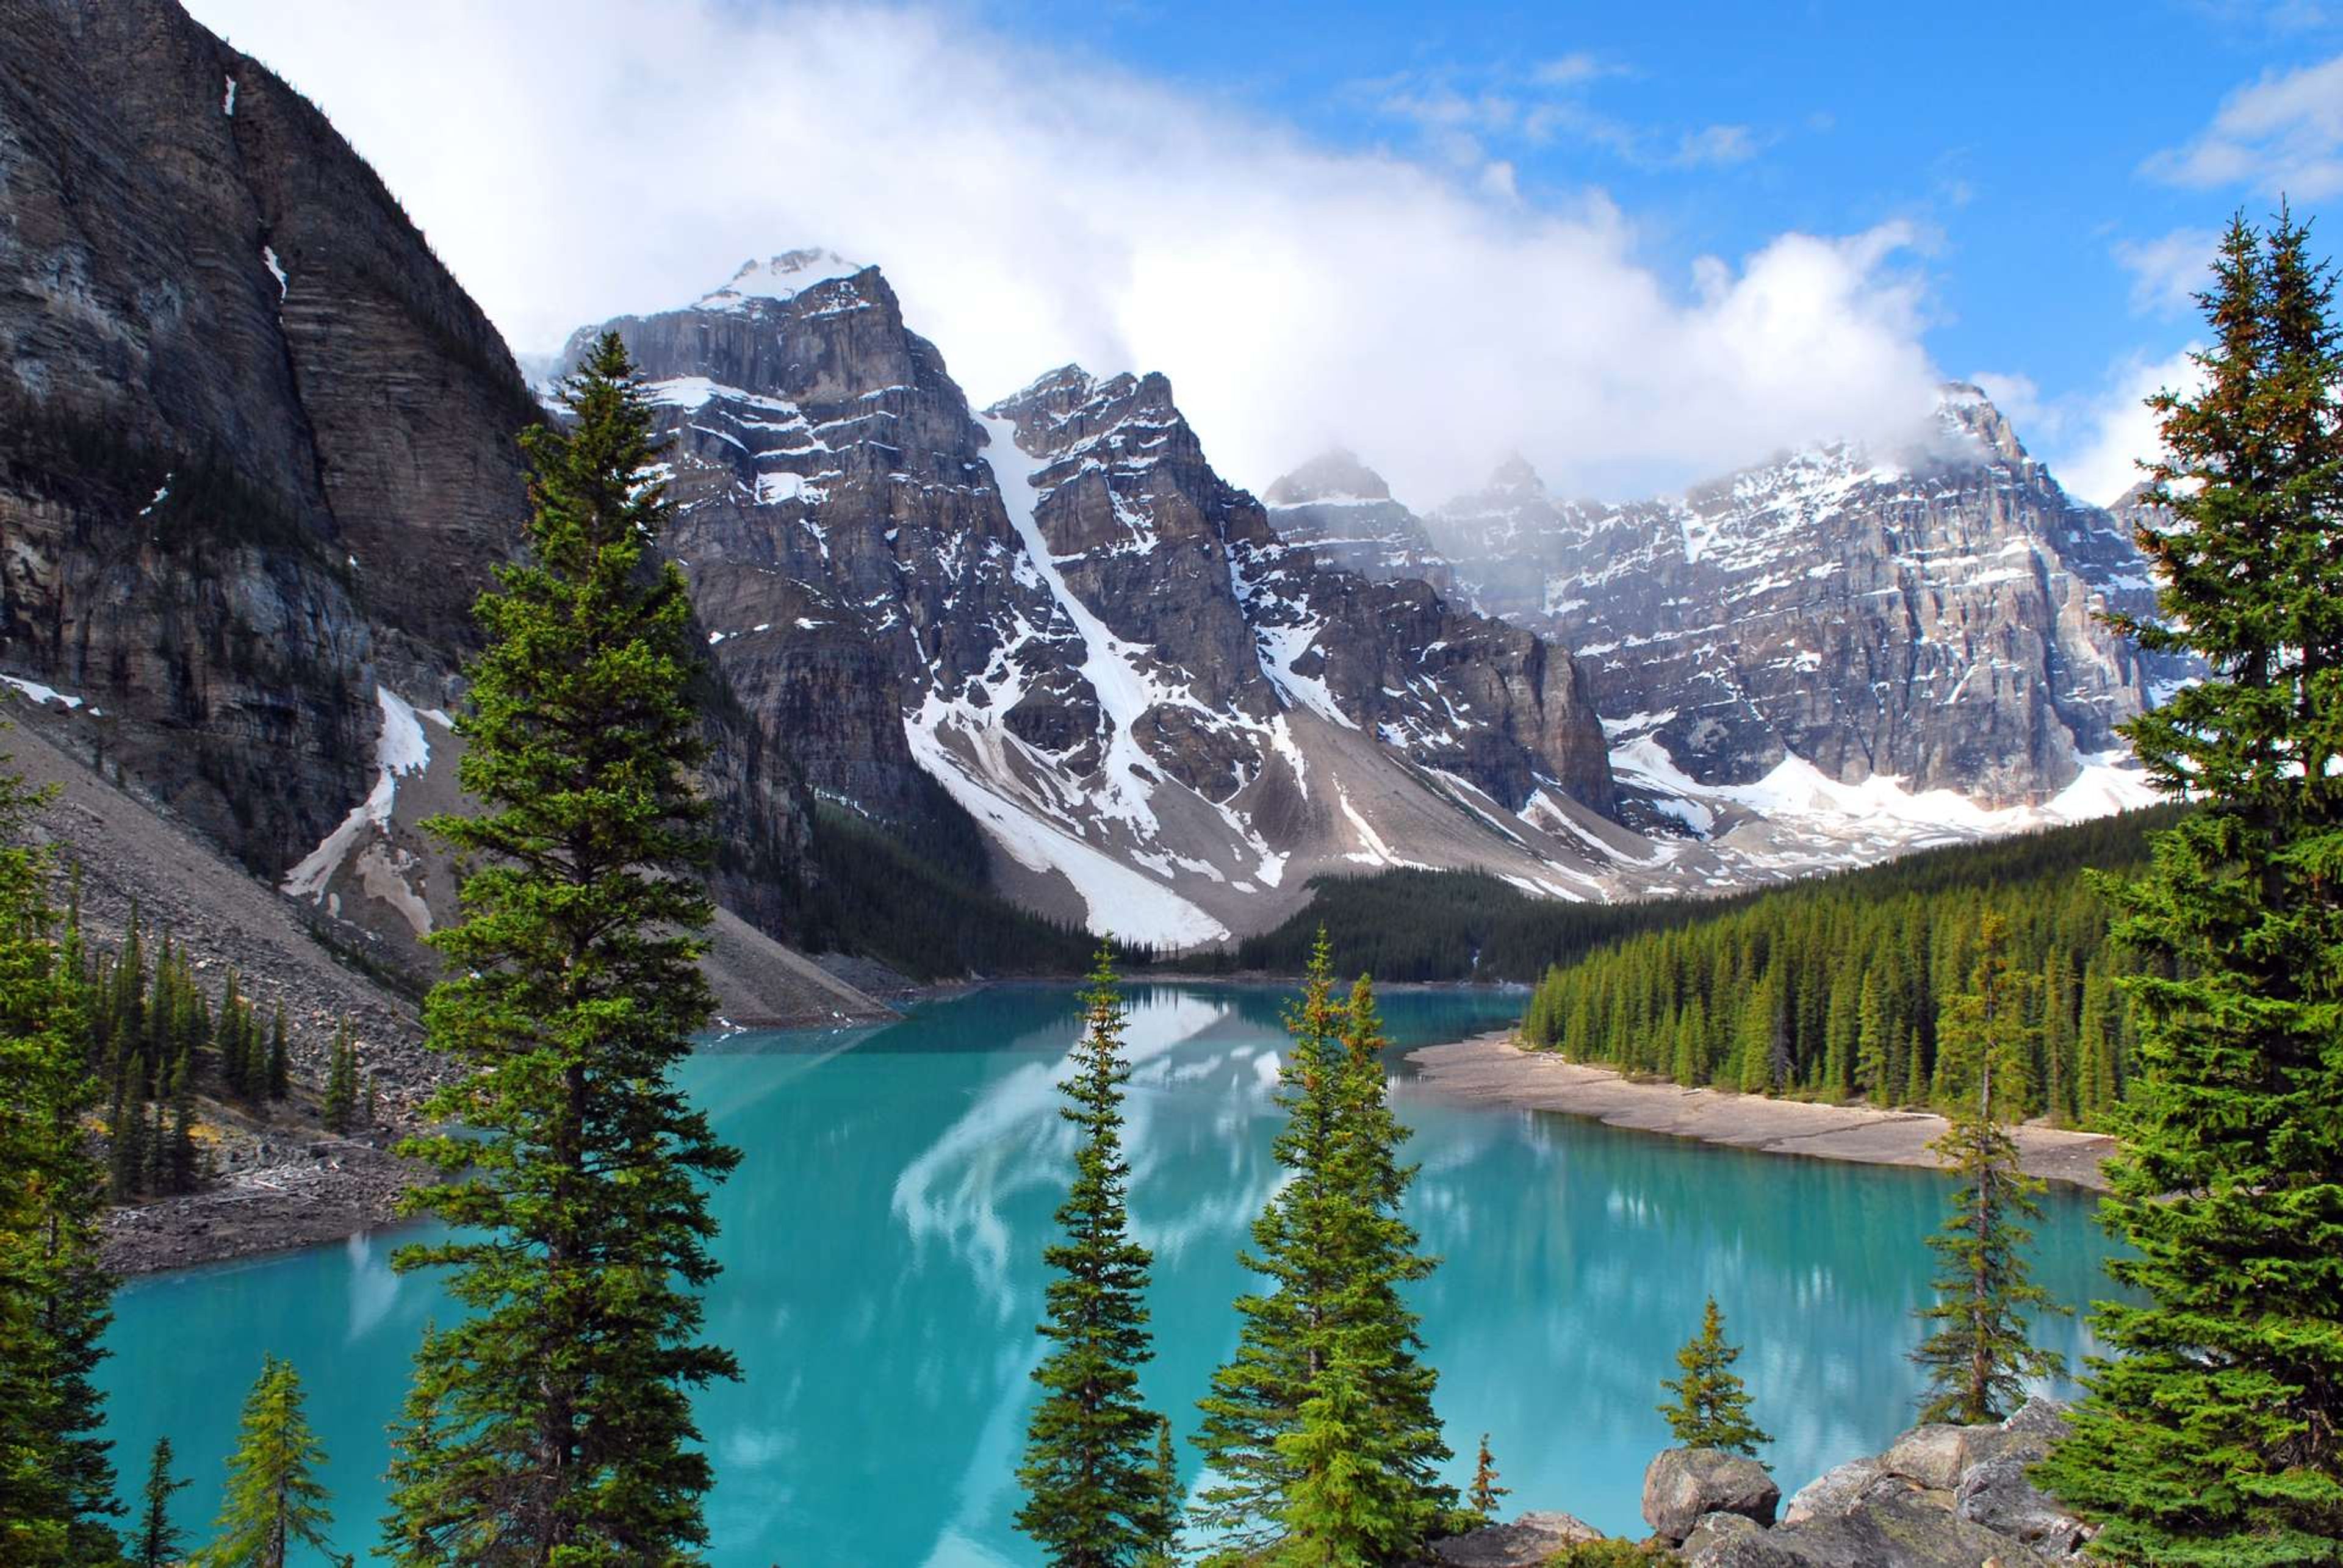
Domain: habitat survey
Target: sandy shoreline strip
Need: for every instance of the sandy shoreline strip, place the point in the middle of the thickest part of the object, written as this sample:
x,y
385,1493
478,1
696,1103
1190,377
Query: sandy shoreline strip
x,y
1491,1069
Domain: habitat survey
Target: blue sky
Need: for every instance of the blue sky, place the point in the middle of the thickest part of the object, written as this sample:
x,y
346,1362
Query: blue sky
x,y
1640,244
2023,139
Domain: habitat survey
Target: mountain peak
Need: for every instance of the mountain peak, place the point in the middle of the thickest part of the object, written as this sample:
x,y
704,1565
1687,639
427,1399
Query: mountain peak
x,y
778,277
1333,475
1967,409
1514,474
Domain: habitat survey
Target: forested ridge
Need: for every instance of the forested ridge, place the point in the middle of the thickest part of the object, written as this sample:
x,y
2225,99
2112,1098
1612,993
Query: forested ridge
x,y
1834,989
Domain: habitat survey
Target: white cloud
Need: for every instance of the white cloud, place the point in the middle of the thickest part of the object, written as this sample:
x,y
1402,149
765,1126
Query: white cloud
x,y
1570,70
1716,145
2095,441
2167,272
2281,135
572,162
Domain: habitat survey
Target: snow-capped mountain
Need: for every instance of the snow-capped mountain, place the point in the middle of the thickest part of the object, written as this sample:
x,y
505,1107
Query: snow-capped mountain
x,y
1928,616
1166,717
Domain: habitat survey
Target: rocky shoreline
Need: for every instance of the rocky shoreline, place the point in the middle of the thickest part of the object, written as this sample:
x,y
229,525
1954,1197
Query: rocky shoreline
x,y
334,1190
1493,1069
1941,1496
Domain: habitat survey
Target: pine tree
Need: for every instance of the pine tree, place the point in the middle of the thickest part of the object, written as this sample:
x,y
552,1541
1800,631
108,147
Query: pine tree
x,y
1257,1396
1979,1356
1711,1409
1380,1252
2214,1433
183,1156
341,1083
1872,1071
280,1065
274,1498
1319,1432
1163,1550
1093,1490
413,1535
57,1478
1481,1497
578,1195
156,1544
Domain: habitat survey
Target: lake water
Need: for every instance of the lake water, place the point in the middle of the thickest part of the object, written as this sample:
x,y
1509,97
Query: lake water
x,y
881,1244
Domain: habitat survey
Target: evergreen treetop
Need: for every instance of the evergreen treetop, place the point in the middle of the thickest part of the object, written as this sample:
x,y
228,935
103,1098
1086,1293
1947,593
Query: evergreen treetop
x,y
577,1199
156,1544
1711,1408
1980,1354
56,1475
2214,1431
274,1498
1093,1472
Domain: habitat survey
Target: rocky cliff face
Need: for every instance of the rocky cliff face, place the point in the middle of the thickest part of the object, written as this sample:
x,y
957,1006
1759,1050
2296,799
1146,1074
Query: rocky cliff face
x,y
259,453
1927,615
1343,511
1057,610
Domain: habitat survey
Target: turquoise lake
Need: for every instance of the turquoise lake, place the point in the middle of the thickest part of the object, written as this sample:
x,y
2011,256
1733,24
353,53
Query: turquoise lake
x,y
881,1244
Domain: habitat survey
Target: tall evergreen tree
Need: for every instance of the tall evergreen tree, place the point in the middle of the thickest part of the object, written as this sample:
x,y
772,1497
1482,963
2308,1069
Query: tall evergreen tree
x,y
1380,1252
341,1098
57,1478
1319,1433
578,1195
280,1066
1256,1397
1979,1353
156,1544
1094,1495
274,1497
2214,1433
1711,1408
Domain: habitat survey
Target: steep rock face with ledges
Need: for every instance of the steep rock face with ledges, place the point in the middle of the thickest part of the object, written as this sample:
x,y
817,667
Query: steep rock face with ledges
x,y
1345,512
258,459
1157,709
1930,616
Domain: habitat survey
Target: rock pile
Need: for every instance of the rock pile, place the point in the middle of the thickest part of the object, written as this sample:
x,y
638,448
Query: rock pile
x,y
1940,1497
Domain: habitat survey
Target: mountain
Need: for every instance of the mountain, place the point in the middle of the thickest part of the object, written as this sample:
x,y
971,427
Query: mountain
x,y
1908,622
256,460
1164,717
1345,512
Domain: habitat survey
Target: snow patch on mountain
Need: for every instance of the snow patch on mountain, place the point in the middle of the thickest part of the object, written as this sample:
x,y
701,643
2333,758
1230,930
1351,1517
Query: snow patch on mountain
x,y
777,279
399,749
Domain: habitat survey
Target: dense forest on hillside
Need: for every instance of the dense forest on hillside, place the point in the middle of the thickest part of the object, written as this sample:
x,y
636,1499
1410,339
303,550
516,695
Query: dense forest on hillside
x,y
1415,925
1832,989
1410,925
921,906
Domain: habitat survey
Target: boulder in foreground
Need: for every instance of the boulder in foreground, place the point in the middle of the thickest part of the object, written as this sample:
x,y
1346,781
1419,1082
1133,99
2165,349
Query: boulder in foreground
x,y
1684,1483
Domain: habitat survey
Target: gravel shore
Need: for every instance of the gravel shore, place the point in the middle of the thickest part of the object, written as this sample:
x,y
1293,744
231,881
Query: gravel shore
x,y
1492,1069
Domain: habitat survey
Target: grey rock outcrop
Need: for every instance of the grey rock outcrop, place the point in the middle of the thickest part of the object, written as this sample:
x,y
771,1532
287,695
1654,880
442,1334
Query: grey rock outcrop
x,y
1929,614
1345,512
259,444
1833,1492
1528,1541
1941,1496
1683,1485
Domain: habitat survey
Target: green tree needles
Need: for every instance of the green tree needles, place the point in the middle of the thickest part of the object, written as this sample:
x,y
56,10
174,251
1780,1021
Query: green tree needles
x,y
1711,1408
1979,1353
1319,1433
1095,1493
274,1497
2214,1434
562,1430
